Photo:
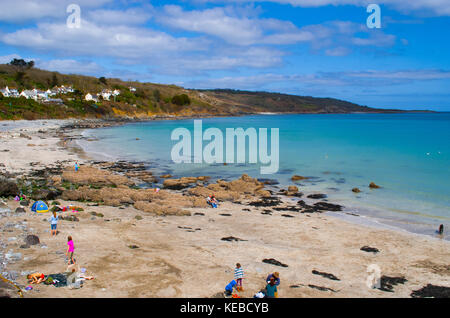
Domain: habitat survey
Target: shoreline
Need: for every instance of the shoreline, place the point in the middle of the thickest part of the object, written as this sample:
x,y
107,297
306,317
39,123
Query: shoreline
x,y
206,242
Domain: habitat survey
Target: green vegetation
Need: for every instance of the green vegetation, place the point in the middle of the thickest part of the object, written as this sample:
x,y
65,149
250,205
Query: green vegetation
x,y
148,99
181,100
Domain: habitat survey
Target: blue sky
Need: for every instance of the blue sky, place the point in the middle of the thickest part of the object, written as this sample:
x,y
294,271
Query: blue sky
x,y
319,48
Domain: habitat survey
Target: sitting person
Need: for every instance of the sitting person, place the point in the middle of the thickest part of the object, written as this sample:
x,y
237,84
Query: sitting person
x,y
36,278
271,289
212,201
276,277
229,288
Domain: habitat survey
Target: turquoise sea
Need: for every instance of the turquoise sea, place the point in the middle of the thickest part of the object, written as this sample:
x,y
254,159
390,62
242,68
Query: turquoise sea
x,y
408,155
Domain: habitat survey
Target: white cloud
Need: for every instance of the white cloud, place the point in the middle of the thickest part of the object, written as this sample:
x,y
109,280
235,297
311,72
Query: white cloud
x,y
18,11
7,58
229,25
70,66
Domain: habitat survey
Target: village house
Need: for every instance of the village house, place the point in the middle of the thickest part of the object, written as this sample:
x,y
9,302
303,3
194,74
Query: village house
x,y
91,97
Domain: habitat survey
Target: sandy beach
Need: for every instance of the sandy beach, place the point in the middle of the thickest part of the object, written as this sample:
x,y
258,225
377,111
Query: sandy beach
x,y
135,250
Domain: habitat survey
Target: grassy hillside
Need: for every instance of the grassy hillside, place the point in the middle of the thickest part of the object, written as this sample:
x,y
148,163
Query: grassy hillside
x,y
148,100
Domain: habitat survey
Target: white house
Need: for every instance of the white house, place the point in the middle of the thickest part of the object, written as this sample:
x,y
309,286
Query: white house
x,y
116,92
106,94
6,92
93,97
132,89
29,94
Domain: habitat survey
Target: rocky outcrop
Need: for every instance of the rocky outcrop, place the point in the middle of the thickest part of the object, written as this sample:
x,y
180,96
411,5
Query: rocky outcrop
x,y
297,178
356,190
182,183
317,196
372,185
8,188
233,191
93,176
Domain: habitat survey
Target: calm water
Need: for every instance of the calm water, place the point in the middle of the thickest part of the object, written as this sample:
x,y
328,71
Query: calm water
x,y
407,154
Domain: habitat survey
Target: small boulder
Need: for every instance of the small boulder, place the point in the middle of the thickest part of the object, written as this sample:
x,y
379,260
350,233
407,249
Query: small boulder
x,y
297,178
317,196
356,190
32,240
372,185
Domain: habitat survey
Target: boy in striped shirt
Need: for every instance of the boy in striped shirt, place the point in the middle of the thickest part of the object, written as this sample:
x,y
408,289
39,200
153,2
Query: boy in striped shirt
x,y
238,276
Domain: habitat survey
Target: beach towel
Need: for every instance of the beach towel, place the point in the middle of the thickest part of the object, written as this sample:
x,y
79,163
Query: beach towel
x,y
59,280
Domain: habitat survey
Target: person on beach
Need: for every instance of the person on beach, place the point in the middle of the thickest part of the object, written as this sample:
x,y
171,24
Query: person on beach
x,y
238,276
441,229
76,166
211,200
70,250
36,278
271,289
53,223
275,276
229,288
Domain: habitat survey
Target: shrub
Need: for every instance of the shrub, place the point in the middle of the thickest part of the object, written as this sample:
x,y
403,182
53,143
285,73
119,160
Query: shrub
x,y
181,100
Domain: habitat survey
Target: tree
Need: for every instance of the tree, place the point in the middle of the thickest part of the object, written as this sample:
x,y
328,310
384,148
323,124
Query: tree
x,y
181,100
103,80
20,63
157,95
54,80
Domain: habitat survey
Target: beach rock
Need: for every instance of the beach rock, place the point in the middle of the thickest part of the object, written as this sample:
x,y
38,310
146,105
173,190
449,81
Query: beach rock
x,y
317,196
24,203
71,218
288,208
292,190
297,178
325,206
231,239
387,283
225,214
372,185
432,291
179,184
138,217
268,181
287,215
369,249
92,176
20,210
356,190
274,262
322,288
8,188
326,275
32,239
266,202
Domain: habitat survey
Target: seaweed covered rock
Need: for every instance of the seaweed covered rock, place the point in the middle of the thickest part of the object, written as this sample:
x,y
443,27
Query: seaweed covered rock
x,y
8,188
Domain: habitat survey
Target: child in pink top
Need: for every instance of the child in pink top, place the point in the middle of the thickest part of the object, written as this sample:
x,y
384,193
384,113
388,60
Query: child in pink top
x,y
70,249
